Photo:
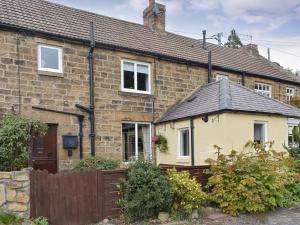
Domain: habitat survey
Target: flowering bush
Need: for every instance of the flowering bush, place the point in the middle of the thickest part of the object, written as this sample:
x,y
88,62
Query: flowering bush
x,y
188,193
252,182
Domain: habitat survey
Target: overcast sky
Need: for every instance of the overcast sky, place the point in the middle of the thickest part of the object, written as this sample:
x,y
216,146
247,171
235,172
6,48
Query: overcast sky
x,y
271,23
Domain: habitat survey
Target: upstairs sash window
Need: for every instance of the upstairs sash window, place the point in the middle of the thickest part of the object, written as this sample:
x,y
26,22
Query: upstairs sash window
x,y
136,77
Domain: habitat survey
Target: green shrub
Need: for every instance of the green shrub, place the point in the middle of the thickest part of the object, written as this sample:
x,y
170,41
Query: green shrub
x,y
145,192
15,135
94,163
40,221
253,182
188,193
10,219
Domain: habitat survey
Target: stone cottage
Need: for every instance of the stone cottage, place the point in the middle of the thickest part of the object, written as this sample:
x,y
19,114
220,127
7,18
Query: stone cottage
x,y
140,70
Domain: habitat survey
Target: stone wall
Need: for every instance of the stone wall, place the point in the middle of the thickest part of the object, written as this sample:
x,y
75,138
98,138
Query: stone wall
x,y
14,192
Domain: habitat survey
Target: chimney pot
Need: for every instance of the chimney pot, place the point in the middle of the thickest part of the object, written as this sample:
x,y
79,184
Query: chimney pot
x,y
155,16
251,49
151,2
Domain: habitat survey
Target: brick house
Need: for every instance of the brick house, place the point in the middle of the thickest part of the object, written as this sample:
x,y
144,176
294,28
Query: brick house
x,y
140,71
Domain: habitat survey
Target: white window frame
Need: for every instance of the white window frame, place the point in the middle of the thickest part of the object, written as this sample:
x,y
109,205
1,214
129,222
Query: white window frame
x,y
289,93
60,63
265,126
135,90
136,137
264,92
221,76
179,143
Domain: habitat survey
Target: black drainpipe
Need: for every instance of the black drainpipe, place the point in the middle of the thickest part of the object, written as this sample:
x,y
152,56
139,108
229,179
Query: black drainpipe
x,y
209,67
192,141
92,100
91,109
243,78
80,120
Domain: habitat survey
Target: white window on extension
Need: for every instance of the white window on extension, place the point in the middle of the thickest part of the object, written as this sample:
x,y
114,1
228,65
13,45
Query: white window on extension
x,y
289,93
135,77
184,142
264,89
50,58
136,140
260,132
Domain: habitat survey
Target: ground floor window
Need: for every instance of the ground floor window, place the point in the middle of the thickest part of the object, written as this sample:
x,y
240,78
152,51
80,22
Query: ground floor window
x,y
260,132
183,139
136,138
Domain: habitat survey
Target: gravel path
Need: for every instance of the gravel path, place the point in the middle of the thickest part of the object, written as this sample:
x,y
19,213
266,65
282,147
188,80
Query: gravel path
x,y
290,216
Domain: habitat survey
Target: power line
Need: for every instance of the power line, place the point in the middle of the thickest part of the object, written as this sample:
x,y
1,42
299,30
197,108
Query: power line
x,y
285,52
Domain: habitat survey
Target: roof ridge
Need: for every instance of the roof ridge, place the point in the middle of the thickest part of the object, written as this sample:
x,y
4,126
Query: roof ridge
x,y
270,98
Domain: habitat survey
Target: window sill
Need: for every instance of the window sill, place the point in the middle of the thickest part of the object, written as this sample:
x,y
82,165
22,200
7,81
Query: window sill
x,y
52,74
183,159
125,93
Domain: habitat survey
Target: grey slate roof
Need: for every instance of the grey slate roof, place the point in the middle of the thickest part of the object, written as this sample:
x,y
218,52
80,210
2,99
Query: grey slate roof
x,y
225,95
42,16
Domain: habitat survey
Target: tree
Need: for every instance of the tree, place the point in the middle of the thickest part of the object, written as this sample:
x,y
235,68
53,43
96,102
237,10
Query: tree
x,y
233,40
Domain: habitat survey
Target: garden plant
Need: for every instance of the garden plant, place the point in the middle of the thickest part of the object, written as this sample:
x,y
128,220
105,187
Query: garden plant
x,y
96,163
253,181
145,192
16,132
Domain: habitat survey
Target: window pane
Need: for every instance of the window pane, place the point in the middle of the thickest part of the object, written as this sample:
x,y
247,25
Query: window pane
x,y
144,142
184,143
128,136
259,133
40,145
49,58
142,78
128,75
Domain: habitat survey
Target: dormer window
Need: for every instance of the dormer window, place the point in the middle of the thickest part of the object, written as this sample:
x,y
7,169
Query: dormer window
x,y
50,59
135,77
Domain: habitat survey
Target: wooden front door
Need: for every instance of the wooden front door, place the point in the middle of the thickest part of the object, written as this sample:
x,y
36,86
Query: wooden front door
x,y
44,150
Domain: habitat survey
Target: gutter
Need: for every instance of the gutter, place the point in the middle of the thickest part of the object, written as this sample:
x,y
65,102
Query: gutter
x,y
86,42
222,111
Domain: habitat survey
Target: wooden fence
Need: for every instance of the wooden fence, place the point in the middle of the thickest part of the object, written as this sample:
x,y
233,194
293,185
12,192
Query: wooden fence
x,y
74,198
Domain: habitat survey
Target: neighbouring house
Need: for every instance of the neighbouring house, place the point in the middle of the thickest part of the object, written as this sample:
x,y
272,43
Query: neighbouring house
x,y
225,114
139,70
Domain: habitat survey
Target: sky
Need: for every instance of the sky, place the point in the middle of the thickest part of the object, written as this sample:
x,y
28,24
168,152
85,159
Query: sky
x,y
273,24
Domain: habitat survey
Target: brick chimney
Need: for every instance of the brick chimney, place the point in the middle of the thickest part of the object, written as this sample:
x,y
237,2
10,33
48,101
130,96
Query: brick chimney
x,y
252,49
155,16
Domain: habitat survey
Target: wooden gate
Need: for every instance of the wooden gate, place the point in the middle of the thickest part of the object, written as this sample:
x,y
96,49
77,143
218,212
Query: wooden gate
x,y
74,198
